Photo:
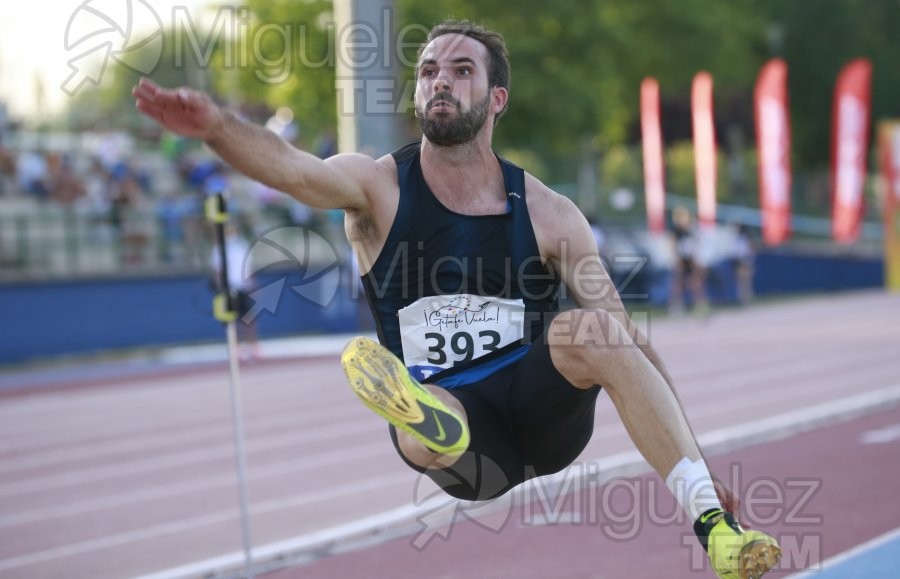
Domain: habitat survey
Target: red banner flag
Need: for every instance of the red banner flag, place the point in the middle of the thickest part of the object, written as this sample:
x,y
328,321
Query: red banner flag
x,y
850,138
704,147
889,159
654,171
889,156
773,142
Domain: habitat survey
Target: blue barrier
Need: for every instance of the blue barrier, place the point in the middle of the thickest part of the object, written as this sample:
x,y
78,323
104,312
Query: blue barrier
x,y
778,272
783,272
43,319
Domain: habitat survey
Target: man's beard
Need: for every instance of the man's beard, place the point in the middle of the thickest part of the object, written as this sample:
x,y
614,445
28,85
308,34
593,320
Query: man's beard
x,y
449,131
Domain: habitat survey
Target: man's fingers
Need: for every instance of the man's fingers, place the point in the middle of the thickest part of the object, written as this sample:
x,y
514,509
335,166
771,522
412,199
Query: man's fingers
x,y
149,109
150,91
140,92
148,85
188,98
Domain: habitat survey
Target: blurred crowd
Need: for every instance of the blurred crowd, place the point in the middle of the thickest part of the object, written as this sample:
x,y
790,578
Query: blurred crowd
x,y
147,203
144,199
687,268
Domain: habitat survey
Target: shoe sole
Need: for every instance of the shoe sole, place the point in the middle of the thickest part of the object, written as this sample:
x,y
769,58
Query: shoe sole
x,y
384,385
758,557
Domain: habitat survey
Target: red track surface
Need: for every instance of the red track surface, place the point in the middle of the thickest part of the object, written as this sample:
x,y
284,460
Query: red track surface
x,y
137,476
820,493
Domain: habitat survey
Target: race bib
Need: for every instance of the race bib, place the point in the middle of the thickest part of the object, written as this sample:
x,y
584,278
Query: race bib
x,y
439,332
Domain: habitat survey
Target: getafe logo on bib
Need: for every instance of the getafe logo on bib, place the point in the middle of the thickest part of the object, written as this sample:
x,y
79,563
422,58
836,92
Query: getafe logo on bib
x,y
439,332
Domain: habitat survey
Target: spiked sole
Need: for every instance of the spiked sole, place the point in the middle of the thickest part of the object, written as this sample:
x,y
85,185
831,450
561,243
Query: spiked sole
x,y
758,557
383,384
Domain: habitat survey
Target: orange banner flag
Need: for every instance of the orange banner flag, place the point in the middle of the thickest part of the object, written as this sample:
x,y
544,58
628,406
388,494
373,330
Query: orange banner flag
x,y
850,139
704,147
773,141
654,169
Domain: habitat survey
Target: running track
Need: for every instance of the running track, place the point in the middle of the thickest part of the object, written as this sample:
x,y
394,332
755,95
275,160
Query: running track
x,y
131,474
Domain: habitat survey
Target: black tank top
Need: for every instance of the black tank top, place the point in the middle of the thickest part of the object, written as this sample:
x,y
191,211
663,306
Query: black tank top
x,y
433,251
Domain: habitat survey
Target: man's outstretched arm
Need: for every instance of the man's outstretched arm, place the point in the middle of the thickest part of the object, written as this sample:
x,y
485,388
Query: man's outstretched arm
x,y
256,151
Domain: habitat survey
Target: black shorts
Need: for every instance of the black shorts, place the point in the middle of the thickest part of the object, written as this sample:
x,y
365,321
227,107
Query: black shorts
x,y
525,420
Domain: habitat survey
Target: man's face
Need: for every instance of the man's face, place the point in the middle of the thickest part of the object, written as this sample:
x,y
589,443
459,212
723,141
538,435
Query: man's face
x,y
452,94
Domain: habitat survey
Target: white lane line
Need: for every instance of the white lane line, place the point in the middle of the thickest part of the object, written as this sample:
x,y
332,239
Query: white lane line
x,y
120,416
270,349
793,369
309,462
836,560
623,464
257,425
881,435
787,424
306,542
82,547
188,458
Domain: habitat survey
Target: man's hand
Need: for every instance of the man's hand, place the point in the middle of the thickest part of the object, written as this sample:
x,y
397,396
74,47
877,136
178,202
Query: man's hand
x,y
186,112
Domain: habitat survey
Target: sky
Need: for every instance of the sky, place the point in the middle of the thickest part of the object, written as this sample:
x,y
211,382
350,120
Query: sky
x,y
33,46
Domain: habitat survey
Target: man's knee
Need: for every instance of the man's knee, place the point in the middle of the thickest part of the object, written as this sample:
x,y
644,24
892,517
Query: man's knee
x,y
587,331
584,341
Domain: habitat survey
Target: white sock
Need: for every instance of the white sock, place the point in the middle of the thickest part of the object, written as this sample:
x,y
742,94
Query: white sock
x,y
692,486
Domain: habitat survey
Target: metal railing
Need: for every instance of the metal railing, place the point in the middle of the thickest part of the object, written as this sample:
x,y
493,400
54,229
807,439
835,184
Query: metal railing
x,y
59,242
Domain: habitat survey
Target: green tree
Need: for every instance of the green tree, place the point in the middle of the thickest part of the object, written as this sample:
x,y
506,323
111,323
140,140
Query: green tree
x,y
292,53
577,67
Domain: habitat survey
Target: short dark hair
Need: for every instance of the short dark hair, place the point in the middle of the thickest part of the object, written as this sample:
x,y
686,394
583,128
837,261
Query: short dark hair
x,y
498,66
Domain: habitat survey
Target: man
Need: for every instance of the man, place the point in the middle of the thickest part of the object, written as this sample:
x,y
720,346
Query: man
x,y
484,383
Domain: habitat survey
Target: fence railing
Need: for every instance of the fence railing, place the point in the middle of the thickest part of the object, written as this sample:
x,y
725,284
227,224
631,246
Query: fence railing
x,y
57,242
61,243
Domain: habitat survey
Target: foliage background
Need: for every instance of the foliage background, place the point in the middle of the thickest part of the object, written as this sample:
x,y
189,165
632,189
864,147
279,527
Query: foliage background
x,y
576,72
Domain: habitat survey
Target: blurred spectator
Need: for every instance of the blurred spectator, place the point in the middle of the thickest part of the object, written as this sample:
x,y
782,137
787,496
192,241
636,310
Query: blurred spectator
x,y
125,197
172,146
178,216
113,149
65,186
95,204
302,214
7,168
31,174
237,250
282,123
690,272
326,145
744,266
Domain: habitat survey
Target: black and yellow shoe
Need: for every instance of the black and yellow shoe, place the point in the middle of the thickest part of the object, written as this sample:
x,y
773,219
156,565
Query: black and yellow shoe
x,y
735,553
383,383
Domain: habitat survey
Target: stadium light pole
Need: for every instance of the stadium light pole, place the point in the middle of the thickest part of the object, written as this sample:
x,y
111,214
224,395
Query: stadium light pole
x,y
370,93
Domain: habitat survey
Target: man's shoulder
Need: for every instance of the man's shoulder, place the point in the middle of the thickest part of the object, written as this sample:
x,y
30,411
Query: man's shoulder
x,y
370,173
544,200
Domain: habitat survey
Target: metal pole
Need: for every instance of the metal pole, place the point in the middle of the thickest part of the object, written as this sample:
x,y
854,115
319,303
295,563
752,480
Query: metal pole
x,y
224,311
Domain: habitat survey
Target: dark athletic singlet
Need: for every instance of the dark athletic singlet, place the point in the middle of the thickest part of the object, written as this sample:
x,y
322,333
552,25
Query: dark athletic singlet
x,y
458,297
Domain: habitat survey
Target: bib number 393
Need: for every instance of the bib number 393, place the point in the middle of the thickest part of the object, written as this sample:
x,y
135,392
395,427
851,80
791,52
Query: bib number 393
x,y
439,332
461,344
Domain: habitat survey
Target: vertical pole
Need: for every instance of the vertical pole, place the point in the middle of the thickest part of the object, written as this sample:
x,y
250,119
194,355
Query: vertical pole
x,y
224,311
371,95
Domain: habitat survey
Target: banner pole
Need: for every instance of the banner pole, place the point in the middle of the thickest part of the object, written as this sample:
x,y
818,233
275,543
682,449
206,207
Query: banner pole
x,y
224,310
